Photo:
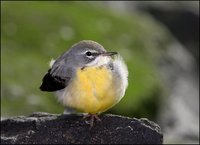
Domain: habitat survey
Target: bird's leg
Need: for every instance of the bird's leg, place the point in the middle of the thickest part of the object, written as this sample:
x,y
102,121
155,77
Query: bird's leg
x,y
97,117
92,119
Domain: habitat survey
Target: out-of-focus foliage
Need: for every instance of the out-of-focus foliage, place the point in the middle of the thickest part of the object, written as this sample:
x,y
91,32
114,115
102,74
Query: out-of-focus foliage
x,y
32,33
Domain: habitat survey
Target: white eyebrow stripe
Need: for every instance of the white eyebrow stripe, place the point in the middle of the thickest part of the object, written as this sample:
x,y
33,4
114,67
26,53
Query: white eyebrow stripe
x,y
92,51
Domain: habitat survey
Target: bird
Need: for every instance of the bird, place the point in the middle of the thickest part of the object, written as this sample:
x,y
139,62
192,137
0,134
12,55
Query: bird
x,y
87,79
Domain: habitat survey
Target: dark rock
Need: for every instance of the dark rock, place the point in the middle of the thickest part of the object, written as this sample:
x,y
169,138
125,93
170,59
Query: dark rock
x,y
47,128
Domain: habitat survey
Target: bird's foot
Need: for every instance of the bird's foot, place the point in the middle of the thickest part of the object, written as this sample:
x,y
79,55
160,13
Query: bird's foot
x,y
92,118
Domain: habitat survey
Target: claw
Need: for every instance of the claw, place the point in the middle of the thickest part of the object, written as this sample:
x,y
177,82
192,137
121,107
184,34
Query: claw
x,y
92,119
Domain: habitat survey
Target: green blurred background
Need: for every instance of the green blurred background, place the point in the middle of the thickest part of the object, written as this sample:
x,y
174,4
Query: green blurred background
x,y
35,32
32,33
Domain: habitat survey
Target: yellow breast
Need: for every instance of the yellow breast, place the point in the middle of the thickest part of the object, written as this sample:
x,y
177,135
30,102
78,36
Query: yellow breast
x,y
92,90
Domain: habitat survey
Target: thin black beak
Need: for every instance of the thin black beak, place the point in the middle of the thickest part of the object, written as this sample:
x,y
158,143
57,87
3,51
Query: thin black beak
x,y
109,53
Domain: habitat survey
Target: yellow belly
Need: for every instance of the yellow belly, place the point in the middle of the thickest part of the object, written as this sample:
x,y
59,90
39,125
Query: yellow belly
x,y
92,90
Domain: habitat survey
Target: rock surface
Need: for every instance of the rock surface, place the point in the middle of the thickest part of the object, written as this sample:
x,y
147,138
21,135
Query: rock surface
x,y
47,128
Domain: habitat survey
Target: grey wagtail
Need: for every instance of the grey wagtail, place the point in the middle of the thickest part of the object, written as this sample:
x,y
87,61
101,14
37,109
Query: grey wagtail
x,y
87,79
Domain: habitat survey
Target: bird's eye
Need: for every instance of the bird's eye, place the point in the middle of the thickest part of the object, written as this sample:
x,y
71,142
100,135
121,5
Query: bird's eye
x,y
88,53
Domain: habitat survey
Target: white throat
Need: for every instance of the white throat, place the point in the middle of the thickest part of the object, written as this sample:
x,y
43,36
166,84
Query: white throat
x,y
100,60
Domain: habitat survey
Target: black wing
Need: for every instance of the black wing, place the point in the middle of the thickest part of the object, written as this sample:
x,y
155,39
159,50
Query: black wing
x,y
53,83
58,76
